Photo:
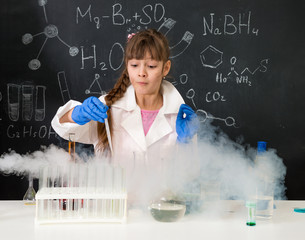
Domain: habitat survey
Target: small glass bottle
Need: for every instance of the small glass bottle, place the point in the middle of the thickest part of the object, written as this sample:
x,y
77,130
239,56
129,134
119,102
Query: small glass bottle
x,y
251,213
265,185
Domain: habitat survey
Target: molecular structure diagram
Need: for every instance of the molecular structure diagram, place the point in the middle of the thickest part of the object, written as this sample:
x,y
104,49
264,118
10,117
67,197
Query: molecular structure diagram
x,y
50,31
203,115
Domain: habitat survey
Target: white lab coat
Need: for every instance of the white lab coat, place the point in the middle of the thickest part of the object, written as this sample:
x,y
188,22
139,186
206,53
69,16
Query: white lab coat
x,y
128,136
148,160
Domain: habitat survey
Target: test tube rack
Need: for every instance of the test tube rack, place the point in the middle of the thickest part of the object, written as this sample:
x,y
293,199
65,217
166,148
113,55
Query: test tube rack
x,y
81,193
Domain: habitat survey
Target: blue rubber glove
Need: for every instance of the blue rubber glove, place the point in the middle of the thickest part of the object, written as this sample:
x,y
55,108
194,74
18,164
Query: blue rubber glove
x,y
187,123
91,109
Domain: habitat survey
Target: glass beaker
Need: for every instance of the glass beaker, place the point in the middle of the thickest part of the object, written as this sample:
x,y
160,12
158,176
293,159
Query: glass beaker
x,y
164,210
264,200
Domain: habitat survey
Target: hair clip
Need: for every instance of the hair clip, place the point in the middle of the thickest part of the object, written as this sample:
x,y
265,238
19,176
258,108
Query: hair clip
x,y
130,36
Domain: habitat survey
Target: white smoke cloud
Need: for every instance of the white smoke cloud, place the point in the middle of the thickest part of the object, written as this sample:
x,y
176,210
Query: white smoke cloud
x,y
13,163
217,168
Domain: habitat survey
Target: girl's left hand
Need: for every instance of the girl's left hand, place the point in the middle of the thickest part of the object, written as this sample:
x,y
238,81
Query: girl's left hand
x,y
187,123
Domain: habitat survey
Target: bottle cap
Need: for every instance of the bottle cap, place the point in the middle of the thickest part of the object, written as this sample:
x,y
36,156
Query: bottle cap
x,y
261,146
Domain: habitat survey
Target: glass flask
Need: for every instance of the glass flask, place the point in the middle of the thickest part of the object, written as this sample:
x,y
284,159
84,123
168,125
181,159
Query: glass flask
x,y
29,196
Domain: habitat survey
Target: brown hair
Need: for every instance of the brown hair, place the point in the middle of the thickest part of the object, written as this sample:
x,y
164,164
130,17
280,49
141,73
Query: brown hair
x,y
146,40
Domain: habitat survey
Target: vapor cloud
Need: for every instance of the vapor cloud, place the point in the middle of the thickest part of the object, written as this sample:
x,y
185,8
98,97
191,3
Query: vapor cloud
x,y
216,168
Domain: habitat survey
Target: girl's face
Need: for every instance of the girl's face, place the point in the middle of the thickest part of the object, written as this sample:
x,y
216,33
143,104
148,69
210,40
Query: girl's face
x,y
146,74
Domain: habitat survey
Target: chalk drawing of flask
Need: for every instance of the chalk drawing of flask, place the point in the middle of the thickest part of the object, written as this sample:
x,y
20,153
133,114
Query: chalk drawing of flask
x,y
13,101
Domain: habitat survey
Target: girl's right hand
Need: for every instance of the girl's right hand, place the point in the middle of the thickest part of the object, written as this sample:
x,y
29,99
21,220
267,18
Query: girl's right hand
x,y
91,109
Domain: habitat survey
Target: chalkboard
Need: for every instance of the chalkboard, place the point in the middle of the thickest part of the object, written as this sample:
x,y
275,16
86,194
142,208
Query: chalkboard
x,y
238,63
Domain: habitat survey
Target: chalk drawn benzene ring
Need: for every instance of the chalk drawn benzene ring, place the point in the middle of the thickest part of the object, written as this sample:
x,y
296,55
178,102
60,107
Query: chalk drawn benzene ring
x,y
211,57
51,31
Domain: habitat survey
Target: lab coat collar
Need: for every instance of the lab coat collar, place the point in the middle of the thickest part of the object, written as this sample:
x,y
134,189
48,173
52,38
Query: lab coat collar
x,y
160,127
171,99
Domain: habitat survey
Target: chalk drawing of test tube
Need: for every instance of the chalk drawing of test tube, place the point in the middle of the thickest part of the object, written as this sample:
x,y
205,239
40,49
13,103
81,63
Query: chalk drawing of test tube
x,y
27,102
13,101
184,42
64,90
40,109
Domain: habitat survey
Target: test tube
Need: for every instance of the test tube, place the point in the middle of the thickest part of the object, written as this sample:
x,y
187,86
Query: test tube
x,y
123,189
121,208
91,180
72,146
52,179
100,178
103,215
52,176
108,208
56,188
72,184
70,174
64,186
117,208
43,178
117,185
82,184
82,178
108,179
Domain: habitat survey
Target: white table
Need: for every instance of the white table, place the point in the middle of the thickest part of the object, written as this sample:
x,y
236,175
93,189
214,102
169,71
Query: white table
x,y
223,220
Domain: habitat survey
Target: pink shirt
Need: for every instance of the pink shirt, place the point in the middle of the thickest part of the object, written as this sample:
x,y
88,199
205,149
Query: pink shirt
x,y
148,118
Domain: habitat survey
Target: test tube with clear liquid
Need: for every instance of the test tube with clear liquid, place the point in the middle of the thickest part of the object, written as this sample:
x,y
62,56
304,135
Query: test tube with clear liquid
x,y
64,203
